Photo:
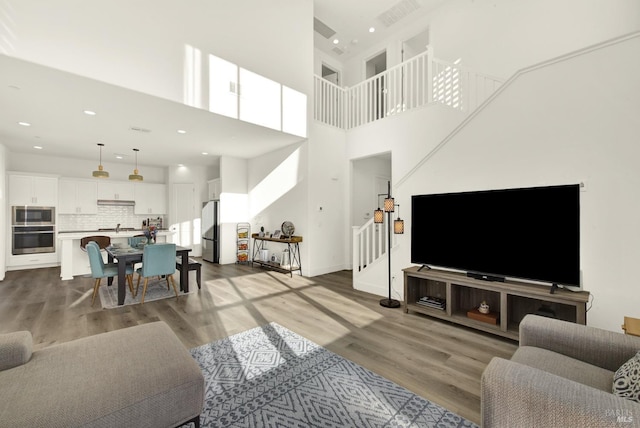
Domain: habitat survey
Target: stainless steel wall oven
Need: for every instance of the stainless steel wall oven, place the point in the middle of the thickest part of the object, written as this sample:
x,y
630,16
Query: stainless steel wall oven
x,y
33,216
33,230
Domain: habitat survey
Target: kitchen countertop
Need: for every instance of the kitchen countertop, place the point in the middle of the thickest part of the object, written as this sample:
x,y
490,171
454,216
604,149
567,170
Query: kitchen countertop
x,y
107,231
79,234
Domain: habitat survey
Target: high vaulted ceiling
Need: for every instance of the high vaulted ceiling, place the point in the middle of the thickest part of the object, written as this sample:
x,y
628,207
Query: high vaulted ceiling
x,y
352,19
54,101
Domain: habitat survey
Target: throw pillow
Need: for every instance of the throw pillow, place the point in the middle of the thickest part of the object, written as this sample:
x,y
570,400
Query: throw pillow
x,y
626,380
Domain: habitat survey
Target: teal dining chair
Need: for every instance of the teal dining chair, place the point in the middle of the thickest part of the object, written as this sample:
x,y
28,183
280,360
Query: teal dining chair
x,y
157,260
134,241
100,269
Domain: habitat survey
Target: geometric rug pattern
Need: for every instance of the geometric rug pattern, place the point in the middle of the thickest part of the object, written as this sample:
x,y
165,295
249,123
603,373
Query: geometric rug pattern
x,y
270,376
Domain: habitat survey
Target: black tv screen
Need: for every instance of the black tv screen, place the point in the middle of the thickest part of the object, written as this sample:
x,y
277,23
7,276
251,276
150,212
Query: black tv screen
x,y
529,233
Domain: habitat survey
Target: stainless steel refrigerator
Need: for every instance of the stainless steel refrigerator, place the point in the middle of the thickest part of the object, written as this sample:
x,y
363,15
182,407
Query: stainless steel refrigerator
x,y
211,231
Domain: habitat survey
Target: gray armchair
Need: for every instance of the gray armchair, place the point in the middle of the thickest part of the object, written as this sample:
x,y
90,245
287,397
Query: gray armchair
x,y
560,376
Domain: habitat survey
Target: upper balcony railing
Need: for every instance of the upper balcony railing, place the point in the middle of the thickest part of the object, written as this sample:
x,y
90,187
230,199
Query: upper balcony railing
x,y
409,85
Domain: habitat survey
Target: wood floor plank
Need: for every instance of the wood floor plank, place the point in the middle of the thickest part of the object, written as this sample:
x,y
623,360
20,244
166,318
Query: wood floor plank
x,y
435,359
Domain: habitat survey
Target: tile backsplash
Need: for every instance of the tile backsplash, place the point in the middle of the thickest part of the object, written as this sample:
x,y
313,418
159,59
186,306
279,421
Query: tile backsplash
x,y
108,216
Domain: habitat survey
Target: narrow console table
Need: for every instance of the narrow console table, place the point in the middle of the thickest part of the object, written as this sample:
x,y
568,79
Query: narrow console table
x,y
455,297
293,248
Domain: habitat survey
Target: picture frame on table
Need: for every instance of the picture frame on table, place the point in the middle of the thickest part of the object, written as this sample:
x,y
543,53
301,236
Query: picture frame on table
x,y
276,234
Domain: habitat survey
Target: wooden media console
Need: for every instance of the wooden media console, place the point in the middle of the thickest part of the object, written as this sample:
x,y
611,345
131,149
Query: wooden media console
x,y
509,301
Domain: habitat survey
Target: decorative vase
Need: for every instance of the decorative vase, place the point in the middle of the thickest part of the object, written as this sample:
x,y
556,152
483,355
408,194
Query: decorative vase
x,y
484,308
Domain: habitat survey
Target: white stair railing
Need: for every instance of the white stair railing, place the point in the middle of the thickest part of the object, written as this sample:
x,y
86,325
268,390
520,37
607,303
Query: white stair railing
x,y
409,85
329,100
370,244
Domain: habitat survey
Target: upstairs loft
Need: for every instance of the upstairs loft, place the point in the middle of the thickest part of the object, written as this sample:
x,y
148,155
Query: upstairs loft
x,y
409,85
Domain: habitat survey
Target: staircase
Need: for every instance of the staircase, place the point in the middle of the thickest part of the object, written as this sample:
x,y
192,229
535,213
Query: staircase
x,y
413,84
542,81
370,256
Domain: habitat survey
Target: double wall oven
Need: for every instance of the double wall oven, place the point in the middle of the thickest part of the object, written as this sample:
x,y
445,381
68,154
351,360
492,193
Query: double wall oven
x,y
33,230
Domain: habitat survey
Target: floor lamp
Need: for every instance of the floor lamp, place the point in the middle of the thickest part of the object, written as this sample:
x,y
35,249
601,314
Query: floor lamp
x,y
398,228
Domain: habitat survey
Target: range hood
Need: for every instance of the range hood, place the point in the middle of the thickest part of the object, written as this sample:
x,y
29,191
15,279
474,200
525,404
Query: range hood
x,y
116,202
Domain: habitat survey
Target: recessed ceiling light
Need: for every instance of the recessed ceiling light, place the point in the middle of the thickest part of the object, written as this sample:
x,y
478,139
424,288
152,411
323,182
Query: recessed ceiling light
x,y
336,41
90,113
119,156
24,124
181,131
372,30
205,153
37,147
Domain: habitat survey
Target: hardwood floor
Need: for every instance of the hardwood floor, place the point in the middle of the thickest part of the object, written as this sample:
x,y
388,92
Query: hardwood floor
x,y
437,360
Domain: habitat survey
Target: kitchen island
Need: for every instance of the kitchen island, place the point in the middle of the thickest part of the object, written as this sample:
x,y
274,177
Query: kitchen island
x,y
75,261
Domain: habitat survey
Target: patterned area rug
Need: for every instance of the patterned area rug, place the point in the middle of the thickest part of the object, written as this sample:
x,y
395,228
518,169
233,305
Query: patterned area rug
x,y
271,377
156,290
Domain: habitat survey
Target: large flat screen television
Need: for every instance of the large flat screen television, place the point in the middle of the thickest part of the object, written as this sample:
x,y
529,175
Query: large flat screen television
x,y
528,233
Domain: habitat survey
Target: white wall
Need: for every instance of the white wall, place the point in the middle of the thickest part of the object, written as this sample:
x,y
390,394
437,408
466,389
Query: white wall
x,y
328,186
400,135
233,204
569,122
277,189
363,186
4,207
499,37
143,45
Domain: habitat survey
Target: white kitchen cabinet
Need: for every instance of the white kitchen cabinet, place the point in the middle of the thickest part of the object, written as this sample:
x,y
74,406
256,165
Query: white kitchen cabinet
x,y
214,189
33,190
31,261
115,190
77,196
150,198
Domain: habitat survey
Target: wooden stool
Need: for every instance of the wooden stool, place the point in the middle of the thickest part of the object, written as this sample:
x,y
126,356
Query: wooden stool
x,y
193,265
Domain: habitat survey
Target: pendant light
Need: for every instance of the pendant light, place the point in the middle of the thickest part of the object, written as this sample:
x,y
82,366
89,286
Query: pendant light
x,y
135,176
100,173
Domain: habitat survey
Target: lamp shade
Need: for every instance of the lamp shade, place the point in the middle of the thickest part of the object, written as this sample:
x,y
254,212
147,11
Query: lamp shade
x,y
398,226
378,216
388,205
135,176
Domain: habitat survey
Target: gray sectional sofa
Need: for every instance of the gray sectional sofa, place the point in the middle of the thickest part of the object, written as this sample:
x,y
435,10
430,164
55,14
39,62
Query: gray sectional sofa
x,y
562,375
140,376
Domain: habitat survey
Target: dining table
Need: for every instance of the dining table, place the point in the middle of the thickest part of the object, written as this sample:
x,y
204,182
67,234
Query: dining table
x,y
127,255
